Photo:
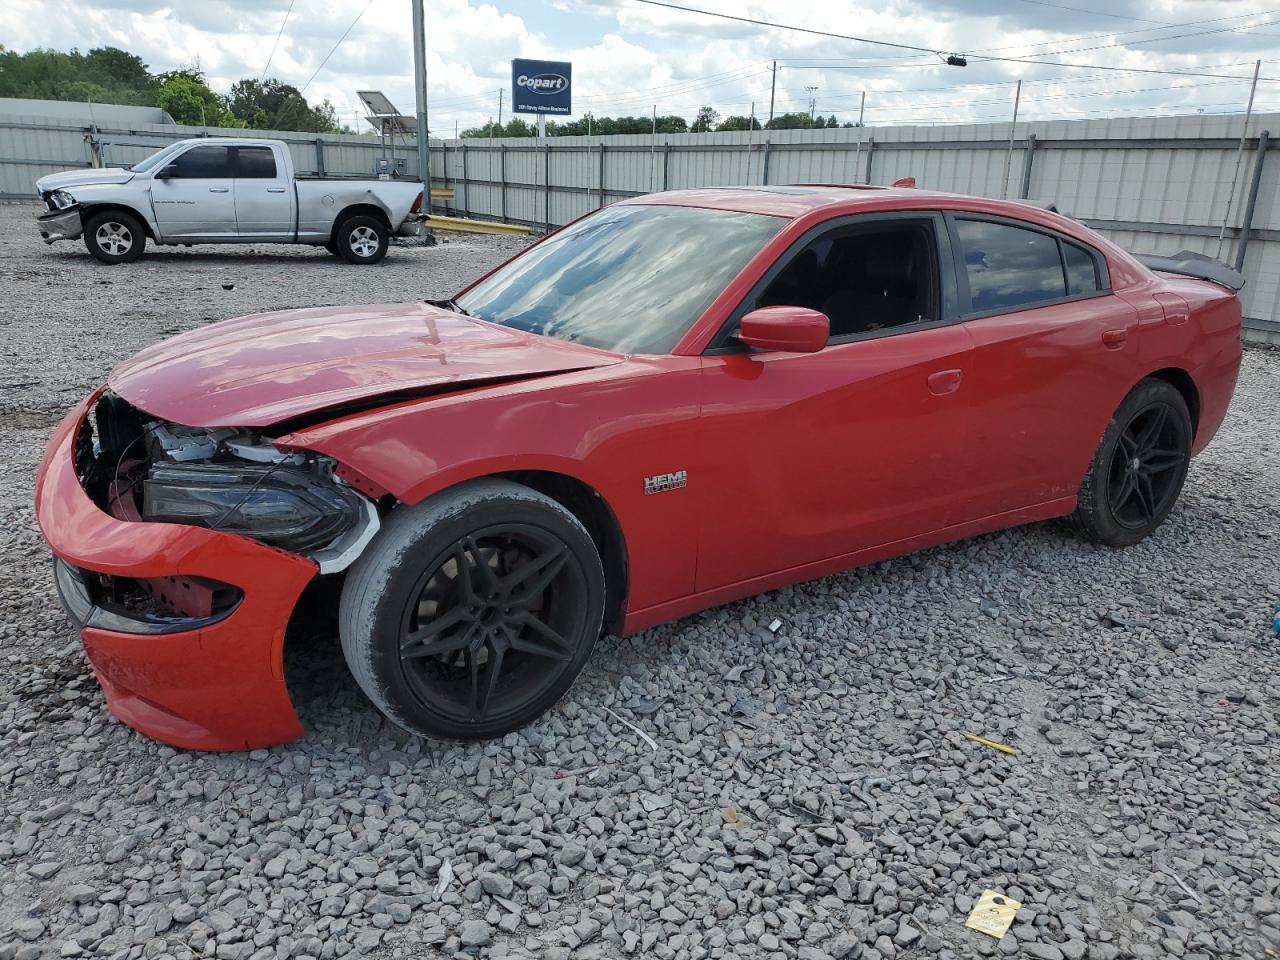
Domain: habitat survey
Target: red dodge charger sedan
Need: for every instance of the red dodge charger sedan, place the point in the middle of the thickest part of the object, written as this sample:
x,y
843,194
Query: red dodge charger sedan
x,y
674,402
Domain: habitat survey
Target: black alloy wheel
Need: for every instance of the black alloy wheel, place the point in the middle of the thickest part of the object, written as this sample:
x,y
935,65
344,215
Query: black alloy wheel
x,y
471,613
1139,467
491,626
1147,466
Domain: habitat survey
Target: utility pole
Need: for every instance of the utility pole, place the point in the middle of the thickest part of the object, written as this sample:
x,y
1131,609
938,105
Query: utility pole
x,y
773,86
420,96
1244,133
857,151
501,91
653,142
813,102
1008,160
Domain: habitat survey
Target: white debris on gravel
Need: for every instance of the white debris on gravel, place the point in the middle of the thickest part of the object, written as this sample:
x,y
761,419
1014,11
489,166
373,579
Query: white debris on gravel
x,y
1139,817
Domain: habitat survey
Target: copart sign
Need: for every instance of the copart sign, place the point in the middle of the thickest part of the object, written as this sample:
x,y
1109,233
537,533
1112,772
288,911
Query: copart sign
x,y
541,86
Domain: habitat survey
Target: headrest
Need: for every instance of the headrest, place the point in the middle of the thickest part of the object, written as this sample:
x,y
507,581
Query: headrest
x,y
892,260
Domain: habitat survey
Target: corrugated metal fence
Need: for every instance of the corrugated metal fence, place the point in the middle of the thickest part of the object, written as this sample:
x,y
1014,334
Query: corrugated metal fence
x,y
1154,185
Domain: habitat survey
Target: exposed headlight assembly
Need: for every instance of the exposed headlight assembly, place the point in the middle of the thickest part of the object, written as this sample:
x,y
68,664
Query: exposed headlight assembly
x,y
246,486
60,200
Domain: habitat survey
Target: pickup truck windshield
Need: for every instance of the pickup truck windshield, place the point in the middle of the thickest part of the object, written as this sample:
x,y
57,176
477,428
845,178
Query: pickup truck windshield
x,y
142,166
631,278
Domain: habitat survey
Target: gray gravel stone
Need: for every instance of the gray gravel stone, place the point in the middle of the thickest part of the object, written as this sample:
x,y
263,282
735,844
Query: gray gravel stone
x,y
1137,686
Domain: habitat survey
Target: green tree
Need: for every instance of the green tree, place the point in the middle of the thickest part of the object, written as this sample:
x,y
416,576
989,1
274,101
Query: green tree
x,y
186,97
515,127
103,75
705,121
789,121
274,105
739,123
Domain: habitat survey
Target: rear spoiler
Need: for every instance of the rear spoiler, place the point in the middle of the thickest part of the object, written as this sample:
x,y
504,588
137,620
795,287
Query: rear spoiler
x,y
1197,265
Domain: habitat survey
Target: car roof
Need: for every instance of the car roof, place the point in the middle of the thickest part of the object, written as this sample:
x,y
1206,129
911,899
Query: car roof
x,y
783,200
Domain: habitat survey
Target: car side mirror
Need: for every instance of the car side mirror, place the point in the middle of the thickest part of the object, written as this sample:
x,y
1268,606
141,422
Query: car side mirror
x,y
167,172
785,329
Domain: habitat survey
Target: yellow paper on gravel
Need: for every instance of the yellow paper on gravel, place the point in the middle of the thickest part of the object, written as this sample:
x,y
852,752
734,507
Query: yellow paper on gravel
x,y
992,914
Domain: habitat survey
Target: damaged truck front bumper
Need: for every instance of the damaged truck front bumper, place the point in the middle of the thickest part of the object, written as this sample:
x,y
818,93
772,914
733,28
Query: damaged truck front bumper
x,y
211,682
60,225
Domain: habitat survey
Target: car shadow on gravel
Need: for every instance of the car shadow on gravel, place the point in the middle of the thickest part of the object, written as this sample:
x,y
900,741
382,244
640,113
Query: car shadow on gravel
x,y
334,711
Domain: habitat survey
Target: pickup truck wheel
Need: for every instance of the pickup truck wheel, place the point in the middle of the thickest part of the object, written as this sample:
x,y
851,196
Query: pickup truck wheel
x,y
1139,468
473,612
363,240
114,237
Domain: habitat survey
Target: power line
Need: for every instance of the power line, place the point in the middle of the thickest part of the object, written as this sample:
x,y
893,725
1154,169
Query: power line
x,y
336,46
1130,43
1163,26
940,53
783,26
1094,13
279,34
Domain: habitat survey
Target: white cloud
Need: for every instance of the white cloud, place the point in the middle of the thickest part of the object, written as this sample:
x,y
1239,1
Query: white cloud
x,y
628,56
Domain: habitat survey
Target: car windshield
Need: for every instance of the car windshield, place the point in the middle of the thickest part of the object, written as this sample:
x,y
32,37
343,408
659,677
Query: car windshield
x,y
142,166
631,278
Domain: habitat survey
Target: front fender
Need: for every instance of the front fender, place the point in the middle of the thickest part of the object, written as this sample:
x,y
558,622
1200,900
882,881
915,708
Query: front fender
x,y
137,202
609,429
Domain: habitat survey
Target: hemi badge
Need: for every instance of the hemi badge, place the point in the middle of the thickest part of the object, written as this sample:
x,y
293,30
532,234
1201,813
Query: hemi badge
x,y
663,482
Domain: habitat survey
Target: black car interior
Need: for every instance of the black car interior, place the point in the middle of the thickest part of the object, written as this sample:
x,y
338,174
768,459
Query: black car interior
x,y
864,280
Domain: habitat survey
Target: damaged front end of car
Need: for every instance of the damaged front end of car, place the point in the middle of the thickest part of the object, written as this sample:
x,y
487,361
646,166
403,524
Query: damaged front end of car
x,y
62,219
137,468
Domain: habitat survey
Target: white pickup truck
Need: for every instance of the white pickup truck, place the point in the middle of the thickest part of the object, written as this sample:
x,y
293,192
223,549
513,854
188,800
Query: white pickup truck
x,y
225,190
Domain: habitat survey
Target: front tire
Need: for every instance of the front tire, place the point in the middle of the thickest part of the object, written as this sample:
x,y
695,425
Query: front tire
x,y
473,612
114,237
1139,468
362,240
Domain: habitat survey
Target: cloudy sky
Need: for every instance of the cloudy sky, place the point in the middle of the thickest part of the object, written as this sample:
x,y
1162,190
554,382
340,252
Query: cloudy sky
x,y
628,57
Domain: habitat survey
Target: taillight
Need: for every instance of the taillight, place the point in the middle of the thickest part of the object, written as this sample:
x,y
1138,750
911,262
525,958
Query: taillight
x,y
417,204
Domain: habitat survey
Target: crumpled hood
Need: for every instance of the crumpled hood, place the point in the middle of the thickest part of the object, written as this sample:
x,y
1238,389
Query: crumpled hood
x,y
266,368
82,178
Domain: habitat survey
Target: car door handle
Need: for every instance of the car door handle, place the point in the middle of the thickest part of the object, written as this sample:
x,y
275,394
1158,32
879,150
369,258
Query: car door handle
x,y
944,382
219,189
1114,339
275,189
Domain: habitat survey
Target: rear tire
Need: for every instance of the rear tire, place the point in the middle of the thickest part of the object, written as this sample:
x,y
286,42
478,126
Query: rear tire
x,y
114,237
362,240
473,612
1139,468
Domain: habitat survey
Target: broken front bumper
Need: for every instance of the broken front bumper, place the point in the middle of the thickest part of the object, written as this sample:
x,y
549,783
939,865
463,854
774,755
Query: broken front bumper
x,y
60,225
204,684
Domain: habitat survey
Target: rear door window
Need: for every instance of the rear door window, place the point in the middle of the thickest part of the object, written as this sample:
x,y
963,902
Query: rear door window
x,y
1009,267
205,162
256,163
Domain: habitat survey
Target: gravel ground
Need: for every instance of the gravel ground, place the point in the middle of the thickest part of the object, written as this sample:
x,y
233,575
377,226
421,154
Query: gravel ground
x,y
811,793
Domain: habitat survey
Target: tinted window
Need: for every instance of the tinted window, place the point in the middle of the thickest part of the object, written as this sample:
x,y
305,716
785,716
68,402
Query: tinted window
x,y
864,280
144,165
1082,272
256,163
203,163
631,278
1009,267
